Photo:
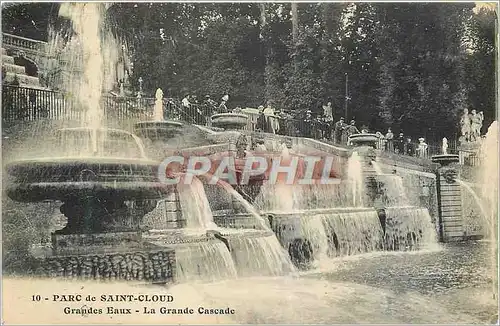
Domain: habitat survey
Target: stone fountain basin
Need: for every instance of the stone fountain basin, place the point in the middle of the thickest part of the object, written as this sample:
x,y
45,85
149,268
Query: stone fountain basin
x,y
445,158
158,129
363,139
61,178
229,120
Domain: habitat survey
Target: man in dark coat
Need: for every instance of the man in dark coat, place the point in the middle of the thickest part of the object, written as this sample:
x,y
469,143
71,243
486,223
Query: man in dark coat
x,y
337,130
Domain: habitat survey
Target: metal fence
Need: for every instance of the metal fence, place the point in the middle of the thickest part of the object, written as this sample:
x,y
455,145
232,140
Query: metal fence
x,y
28,104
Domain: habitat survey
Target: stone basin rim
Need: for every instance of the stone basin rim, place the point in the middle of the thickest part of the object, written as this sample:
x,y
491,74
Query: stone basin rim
x,y
335,210
158,123
62,190
236,115
450,158
83,159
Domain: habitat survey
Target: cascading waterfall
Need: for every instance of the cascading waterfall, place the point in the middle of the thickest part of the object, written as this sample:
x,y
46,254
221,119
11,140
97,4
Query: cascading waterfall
x,y
195,206
330,232
355,178
406,227
392,189
409,228
325,221
260,256
487,199
287,198
252,252
204,261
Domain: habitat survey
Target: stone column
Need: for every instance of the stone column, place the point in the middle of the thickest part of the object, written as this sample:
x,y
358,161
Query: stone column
x,y
449,199
449,205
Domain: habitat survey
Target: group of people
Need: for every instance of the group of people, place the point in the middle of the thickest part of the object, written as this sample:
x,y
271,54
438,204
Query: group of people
x,y
274,121
268,119
402,145
201,111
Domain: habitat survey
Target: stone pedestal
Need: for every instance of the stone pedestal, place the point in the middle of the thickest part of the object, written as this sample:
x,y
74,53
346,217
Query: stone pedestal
x,y
166,215
449,199
449,205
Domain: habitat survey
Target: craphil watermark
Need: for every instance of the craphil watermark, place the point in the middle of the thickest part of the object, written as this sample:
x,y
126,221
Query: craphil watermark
x,y
303,170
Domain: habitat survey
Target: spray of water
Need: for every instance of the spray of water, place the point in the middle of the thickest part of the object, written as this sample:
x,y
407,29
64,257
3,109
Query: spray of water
x,y
488,199
355,177
195,206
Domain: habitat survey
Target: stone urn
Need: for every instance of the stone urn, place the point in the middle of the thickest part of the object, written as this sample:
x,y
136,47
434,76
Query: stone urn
x,y
359,140
157,130
445,159
229,121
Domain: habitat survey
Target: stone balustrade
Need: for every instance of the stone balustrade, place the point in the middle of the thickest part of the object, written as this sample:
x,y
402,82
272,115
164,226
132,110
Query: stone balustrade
x,y
22,43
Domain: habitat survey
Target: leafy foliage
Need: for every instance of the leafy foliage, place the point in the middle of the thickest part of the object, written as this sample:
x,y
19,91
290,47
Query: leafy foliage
x,y
412,66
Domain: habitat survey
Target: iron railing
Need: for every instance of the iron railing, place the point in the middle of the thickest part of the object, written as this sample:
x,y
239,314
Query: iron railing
x,y
28,104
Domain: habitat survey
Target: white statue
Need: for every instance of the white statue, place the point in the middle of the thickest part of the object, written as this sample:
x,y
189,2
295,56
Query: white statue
x,y
159,94
465,125
158,112
476,124
328,112
445,146
480,123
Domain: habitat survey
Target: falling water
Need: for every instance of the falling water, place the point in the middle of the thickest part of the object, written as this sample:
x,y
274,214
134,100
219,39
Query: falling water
x,y
408,228
355,178
251,251
488,177
376,167
392,190
260,255
331,232
195,206
204,261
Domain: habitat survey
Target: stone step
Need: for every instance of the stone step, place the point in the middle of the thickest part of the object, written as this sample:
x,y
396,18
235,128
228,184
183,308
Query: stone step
x,y
7,59
453,224
23,79
456,231
9,67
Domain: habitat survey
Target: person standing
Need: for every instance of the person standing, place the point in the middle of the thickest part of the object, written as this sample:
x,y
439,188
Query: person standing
x,y
222,106
185,102
351,130
400,143
209,106
327,122
389,141
271,120
409,148
261,120
337,130
422,148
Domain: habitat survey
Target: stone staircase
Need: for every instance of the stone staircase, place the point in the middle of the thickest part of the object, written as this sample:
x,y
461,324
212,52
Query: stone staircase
x,y
12,71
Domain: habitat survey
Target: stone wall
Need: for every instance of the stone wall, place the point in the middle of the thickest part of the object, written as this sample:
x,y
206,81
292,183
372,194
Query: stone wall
x,y
151,266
